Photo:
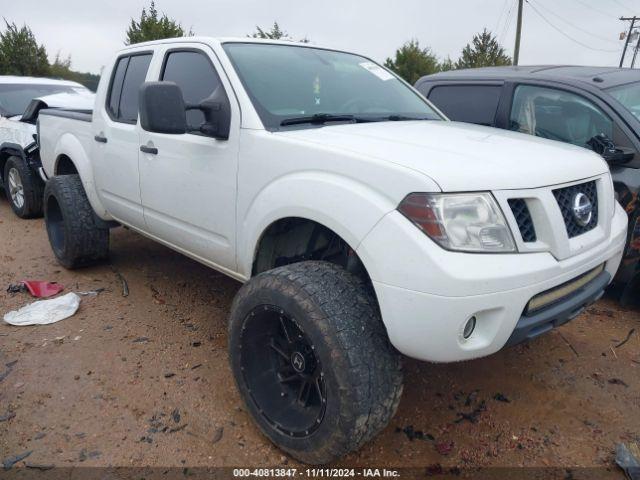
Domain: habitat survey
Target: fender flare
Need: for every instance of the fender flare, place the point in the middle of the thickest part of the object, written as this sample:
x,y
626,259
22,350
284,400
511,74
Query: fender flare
x,y
329,199
10,149
68,145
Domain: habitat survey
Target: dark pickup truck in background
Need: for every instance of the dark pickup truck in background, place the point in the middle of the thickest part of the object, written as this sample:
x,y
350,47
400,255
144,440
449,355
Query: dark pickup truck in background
x,y
593,107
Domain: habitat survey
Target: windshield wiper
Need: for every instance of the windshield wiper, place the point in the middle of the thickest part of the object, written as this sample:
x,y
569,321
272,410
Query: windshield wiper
x,y
319,118
401,118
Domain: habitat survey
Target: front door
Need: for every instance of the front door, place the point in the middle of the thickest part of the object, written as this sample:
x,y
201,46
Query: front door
x,y
188,182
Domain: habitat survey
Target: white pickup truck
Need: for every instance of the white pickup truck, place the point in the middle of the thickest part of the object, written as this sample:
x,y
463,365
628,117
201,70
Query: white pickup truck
x,y
362,222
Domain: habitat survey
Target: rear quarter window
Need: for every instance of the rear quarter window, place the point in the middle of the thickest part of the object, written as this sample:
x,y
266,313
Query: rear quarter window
x,y
467,103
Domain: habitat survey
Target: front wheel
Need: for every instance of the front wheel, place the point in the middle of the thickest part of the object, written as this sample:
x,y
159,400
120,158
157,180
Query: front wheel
x,y
312,360
23,188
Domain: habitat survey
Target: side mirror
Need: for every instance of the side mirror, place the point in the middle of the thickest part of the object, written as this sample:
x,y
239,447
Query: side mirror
x,y
162,108
217,114
602,145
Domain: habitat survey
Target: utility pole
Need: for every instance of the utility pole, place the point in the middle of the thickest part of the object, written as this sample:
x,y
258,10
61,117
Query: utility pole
x,y
635,52
626,40
516,50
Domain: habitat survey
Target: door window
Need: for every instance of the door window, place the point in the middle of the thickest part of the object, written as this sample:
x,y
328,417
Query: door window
x,y
467,103
129,74
557,115
193,72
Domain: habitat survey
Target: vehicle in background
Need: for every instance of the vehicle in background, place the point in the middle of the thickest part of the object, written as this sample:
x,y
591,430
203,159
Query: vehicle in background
x,y
358,218
592,107
21,99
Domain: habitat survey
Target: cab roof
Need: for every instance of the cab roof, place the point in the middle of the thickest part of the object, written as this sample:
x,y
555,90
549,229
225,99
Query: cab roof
x,y
222,40
599,77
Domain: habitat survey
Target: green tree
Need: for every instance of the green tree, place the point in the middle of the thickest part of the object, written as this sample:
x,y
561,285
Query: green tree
x,y
152,26
274,33
447,64
483,51
20,54
61,68
412,62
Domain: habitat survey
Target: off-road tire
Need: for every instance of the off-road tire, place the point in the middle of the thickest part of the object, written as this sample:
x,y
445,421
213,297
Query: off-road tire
x,y
74,234
362,370
32,188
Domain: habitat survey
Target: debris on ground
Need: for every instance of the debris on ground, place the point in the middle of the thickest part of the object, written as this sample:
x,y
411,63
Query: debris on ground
x,y
501,398
628,459
444,448
86,455
123,281
36,288
39,466
44,312
604,312
9,462
473,415
631,332
175,415
6,373
617,381
91,293
141,340
217,435
14,288
414,434
7,416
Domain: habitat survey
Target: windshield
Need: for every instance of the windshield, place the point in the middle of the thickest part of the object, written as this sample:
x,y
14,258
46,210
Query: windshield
x,y
286,83
629,96
14,98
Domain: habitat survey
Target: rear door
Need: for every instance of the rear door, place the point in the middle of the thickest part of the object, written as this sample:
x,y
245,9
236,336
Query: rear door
x,y
115,153
188,183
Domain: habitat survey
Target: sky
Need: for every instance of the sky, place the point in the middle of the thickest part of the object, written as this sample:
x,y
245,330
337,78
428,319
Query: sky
x,y
554,31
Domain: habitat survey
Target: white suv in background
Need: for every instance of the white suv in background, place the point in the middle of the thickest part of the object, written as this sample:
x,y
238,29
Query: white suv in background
x,y
21,98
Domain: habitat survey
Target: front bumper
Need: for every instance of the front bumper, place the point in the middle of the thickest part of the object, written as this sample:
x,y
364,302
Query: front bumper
x,y
427,295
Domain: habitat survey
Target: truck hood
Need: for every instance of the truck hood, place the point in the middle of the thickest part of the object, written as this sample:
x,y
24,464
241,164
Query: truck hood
x,y
459,156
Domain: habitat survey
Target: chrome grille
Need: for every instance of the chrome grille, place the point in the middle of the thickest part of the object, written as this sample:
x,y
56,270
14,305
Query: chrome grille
x,y
566,197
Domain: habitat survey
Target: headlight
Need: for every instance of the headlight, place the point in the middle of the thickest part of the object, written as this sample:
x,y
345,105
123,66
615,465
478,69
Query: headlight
x,y
467,222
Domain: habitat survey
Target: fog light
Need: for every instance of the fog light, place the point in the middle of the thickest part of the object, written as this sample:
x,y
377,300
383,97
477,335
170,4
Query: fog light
x,y
469,327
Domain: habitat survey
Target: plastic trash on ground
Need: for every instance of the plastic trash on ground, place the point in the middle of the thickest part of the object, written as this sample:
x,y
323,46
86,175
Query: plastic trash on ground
x,y
44,312
42,289
628,459
37,288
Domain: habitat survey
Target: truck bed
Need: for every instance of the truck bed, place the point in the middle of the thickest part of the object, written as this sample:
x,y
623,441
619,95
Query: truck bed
x,y
71,128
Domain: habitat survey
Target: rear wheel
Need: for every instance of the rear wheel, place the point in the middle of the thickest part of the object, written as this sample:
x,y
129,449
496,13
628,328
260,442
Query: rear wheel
x,y
312,360
75,236
23,188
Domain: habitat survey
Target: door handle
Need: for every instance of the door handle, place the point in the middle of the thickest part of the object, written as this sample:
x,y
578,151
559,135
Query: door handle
x,y
151,150
100,139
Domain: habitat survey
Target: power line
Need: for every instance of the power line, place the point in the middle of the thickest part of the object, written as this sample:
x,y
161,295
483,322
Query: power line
x,y
502,12
626,7
572,25
601,12
507,25
566,34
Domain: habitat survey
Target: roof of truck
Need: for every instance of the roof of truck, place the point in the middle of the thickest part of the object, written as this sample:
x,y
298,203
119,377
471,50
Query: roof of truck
x,y
221,40
600,77
13,79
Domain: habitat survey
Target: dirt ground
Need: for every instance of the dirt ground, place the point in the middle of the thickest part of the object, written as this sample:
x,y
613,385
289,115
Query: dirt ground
x,y
143,380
